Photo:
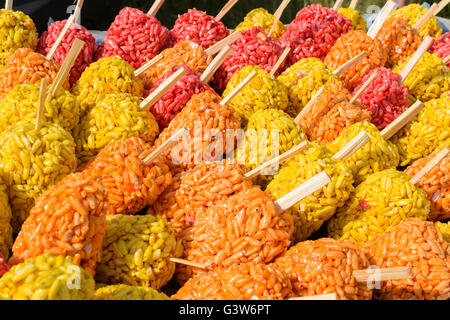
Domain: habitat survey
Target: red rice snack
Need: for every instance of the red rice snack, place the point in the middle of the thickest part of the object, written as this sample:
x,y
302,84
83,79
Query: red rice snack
x,y
441,47
4,268
198,27
419,245
134,36
436,184
68,220
243,228
248,281
348,46
325,266
129,184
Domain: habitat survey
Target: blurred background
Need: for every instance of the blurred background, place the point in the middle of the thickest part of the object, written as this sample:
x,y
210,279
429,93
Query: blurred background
x,y
98,14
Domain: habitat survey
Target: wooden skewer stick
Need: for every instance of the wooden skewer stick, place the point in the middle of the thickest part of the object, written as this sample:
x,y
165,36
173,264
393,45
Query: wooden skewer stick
x,y
382,274
302,191
215,64
189,263
280,159
446,59
382,16
363,87
227,7
238,88
155,7
41,105
430,165
167,144
67,65
9,5
442,5
60,37
279,61
77,11
278,15
353,4
337,4
327,296
352,146
222,43
309,105
162,89
430,12
424,46
147,65
402,120
350,63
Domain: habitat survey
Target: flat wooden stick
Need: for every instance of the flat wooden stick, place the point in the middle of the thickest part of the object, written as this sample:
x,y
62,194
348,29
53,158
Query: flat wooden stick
x,y
442,5
60,37
162,89
353,4
147,65
382,274
363,87
446,59
430,165
227,7
279,61
352,146
280,159
424,46
402,120
67,65
238,88
41,105
189,263
337,4
350,63
309,105
215,64
327,296
77,11
166,144
278,15
222,43
155,7
382,16
9,5
430,12
302,191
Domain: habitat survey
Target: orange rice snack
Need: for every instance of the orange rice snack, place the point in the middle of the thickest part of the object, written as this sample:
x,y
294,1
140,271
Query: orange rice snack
x,y
436,185
207,121
130,185
399,40
67,220
350,45
331,113
184,53
27,66
419,245
325,266
245,227
248,281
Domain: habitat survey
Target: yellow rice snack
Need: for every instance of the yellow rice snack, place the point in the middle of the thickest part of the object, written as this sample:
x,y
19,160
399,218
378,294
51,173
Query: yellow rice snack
x,y
47,277
32,161
22,103
357,20
107,75
124,292
5,219
303,79
116,116
136,251
310,213
429,79
378,154
413,13
17,30
261,17
385,199
262,92
445,229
